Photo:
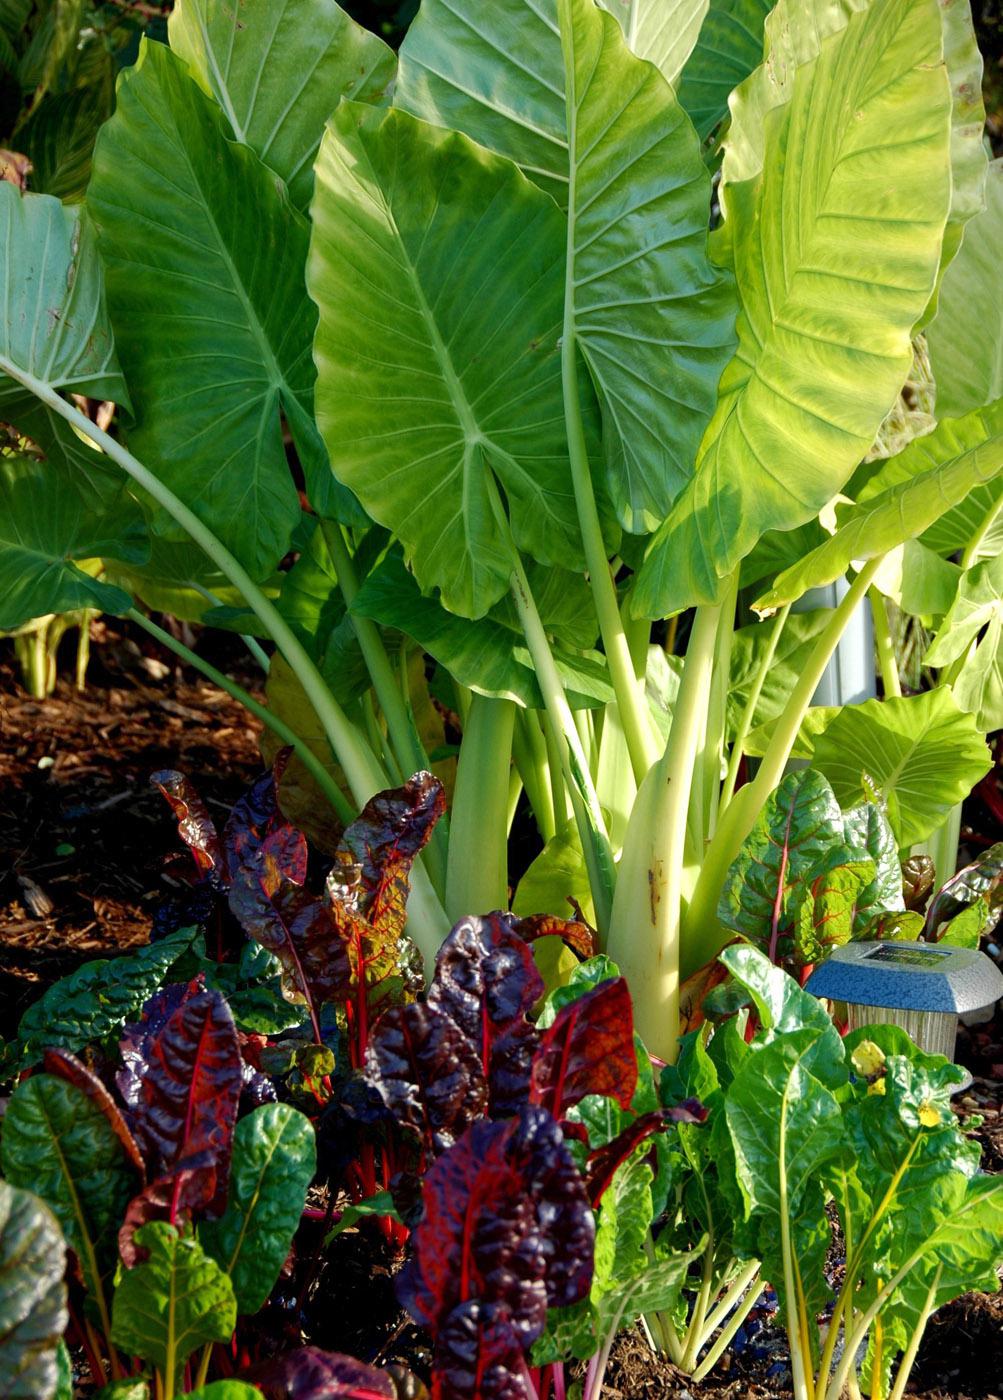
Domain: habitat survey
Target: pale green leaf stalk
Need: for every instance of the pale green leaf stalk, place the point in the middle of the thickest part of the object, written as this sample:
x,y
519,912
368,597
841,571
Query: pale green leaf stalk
x,y
477,872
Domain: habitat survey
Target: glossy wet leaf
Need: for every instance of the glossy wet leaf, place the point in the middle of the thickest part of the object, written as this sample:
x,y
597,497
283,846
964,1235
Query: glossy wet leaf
x,y
195,826
728,48
830,909
58,1143
181,1083
273,1164
428,1073
94,1001
910,492
867,828
224,348
922,751
652,317
588,1049
460,300
175,1302
982,879
832,275
33,1312
308,1373
278,70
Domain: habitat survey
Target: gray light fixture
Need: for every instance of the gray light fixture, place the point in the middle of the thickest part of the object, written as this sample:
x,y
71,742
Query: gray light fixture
x,y
922,987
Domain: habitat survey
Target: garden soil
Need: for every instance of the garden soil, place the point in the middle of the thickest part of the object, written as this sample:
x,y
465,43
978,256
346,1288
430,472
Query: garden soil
x,y
87,850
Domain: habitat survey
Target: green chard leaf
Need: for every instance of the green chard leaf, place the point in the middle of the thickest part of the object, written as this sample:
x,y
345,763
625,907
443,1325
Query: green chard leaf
x,y
58,1142
176,1301
832,272
278,68
98,998
33,1312
222,351
274,1159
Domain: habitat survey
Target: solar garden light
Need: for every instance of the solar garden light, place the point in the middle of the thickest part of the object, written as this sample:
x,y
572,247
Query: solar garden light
x,y
922,987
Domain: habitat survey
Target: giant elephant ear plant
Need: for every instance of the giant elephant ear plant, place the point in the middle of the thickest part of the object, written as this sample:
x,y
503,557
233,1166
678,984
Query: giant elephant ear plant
x,y
543,384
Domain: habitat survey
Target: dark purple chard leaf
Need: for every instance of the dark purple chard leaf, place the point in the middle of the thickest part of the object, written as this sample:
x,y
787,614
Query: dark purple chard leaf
x,y
354,1116
181,1083
312,1374
427,1073
68,1067
602,1163
195,826
373,862
918,875
487,982
983,879
589,1049
478,1356
253,816
277,912
175,1198
506,1222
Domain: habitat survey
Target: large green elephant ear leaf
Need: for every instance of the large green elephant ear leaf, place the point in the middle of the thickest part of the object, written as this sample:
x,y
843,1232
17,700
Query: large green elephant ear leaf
x,y
494,72
966,351
59,502
836,188
910,493
204,260
729,47
278,69
33,1312
437,348
652,317
662,31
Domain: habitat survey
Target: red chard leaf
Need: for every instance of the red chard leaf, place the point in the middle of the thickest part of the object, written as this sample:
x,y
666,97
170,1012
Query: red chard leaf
x,y
589,1049
182,1081
487,982
478,1356
506,1222
312,1374
253,816
427,1073
175,1198
195,827
604,1161
68,1067
575,932
372,866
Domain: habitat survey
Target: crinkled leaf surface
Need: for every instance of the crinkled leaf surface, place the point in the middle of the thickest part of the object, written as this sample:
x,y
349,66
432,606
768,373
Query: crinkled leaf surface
x,y
831,909
195,826
309,1372
920,750
867,828
428,1072
273,1164
181,1082
57,1142
588,1049
729,47
836,189
910,492
94,1001
459,302
68,506
223,349
33,1312
966,355
983,879
176,1301
278,68
66,1066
